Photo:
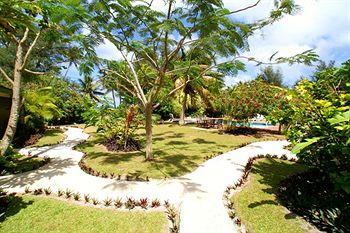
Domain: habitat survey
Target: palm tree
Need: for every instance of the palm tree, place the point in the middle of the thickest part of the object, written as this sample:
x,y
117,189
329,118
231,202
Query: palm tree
x,y
272,76
198,82
90,88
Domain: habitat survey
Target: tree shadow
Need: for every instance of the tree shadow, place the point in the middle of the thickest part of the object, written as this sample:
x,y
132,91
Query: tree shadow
x,y
264,202
173,142
270,173
48,171
202,141
15,205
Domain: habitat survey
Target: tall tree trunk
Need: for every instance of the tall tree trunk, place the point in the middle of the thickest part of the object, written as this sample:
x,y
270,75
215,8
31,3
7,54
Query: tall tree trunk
x,y
148,116
15,105
183,110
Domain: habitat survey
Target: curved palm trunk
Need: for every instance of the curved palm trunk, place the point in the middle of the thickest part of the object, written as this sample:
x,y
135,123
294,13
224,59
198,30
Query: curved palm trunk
x,y
183,110
15,105
148,116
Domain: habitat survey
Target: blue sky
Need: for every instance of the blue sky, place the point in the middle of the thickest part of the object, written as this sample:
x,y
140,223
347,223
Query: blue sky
x,y
323,25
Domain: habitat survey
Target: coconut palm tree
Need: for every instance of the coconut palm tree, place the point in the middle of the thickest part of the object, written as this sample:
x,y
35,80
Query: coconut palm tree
x,y
90,88
199,81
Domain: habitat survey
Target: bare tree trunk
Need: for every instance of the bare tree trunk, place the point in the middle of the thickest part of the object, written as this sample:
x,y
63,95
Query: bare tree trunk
x,y
183,110
148,116
15,105
279,127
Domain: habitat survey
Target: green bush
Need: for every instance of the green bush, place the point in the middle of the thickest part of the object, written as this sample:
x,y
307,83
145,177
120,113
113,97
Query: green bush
x,y
118,126
320,123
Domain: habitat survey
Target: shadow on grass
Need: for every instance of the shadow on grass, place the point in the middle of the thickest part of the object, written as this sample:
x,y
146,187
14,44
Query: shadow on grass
x,y
270,173
15,205
202,141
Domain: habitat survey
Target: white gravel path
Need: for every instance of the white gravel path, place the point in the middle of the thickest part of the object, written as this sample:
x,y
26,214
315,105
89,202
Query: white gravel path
x,y
198,194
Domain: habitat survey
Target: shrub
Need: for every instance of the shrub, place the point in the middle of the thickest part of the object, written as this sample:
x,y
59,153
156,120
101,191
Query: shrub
x,y
60,193
76,196
320,125
118,203
68,193
155,203
38,191
107,202
143,203
95,201
130,203
47,191
87,198
311,194
117,125
27,189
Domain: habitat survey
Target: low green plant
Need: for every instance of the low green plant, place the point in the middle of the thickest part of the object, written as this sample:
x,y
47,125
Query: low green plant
x,y
155,203
87,198
95,201
76,196
130,203
60,193
38,191
68,193
107,201
47,191
118,203
27,189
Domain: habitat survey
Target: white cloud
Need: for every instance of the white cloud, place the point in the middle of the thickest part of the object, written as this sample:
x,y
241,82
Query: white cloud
x,y
322,25
108,51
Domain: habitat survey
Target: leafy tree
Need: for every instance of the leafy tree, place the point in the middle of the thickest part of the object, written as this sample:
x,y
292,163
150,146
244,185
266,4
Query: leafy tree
x,y
22,24
151,43
246,100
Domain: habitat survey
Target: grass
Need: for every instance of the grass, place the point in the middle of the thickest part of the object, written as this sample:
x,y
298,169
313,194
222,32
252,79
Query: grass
x,y
38,214
17,163
50,137
256,204
177,149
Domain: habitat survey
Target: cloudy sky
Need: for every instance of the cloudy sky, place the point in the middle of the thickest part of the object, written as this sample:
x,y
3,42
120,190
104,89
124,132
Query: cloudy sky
x,y
323,25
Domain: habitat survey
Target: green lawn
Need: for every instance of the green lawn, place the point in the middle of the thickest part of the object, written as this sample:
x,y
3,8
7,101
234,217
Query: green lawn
x,y
39,214
256,204
177,149
17,163
50,137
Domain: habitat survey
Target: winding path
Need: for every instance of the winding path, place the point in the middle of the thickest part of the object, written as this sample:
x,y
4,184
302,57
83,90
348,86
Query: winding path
x,y
198,194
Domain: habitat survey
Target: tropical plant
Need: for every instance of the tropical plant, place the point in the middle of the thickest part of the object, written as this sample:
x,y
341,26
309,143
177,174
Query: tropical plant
x,y
90,88
118,126
320,124
272,76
